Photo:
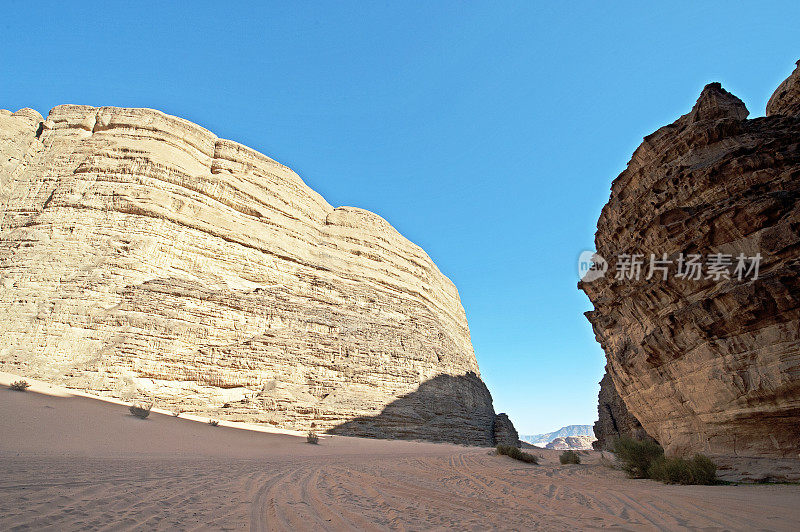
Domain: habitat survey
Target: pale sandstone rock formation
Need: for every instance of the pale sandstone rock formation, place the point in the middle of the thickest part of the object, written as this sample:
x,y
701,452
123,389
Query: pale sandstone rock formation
x,y
571,443
786,99
142,255
710,365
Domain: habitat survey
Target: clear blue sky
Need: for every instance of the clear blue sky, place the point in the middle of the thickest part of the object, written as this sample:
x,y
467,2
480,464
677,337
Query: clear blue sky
x,y
486,132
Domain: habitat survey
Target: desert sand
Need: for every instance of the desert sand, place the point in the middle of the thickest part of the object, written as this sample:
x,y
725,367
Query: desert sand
x,y
70,461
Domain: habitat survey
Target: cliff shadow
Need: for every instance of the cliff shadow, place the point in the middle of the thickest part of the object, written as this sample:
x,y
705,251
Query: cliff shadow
x,y
446,408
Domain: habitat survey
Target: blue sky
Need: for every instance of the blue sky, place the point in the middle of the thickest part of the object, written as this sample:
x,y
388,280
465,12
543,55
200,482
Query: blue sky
x,y
486,132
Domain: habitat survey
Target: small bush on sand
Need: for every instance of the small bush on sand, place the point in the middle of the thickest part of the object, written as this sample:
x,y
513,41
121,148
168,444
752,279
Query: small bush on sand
x,y
213,422
635,456
673,470
20,386
140,410
312,437
516,454
176,413
645,459
569,457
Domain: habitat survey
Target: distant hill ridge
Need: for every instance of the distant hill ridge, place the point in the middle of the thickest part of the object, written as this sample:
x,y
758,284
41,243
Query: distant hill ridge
x,y
563,432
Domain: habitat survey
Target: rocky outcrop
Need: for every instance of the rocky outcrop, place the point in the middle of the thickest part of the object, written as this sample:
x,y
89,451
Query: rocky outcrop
x,y
455,409
786,99
140,254
571,443
710,364
504,432
613,418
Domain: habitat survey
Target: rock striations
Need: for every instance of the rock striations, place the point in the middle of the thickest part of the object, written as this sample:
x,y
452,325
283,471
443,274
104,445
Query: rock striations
x,y
709,365
140,254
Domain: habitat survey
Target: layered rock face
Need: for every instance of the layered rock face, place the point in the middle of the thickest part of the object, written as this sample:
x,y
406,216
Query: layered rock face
x,y
504,431
141,254
613,418
709,365
786,98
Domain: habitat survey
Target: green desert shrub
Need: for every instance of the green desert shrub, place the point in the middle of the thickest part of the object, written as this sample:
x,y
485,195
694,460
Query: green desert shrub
x,y
569,457
312,437
517,454
140,410
645,459
20,386
636,456
674,470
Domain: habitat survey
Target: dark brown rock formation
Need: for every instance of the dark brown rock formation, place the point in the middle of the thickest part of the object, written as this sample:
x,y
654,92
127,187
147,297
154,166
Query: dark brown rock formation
x,y
504,431
614,420
709,365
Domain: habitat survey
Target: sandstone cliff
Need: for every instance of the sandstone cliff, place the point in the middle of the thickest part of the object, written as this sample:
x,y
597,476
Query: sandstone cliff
x,y
142,255
709,365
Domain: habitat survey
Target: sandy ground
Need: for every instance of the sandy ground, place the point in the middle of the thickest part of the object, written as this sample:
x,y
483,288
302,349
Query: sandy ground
x,y
71,462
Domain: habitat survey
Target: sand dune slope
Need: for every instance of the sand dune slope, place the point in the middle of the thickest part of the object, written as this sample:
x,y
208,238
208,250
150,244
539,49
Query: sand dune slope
x,y
69,462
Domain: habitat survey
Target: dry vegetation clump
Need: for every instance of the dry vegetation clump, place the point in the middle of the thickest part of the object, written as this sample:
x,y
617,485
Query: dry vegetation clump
x,y
213,422
674,470
312,437
645,459
516,454
569,457
20,386
140,410
635,456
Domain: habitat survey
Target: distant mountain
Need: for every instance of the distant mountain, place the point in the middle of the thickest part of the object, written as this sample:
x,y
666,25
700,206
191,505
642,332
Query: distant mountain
x,y
572,443
570,430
